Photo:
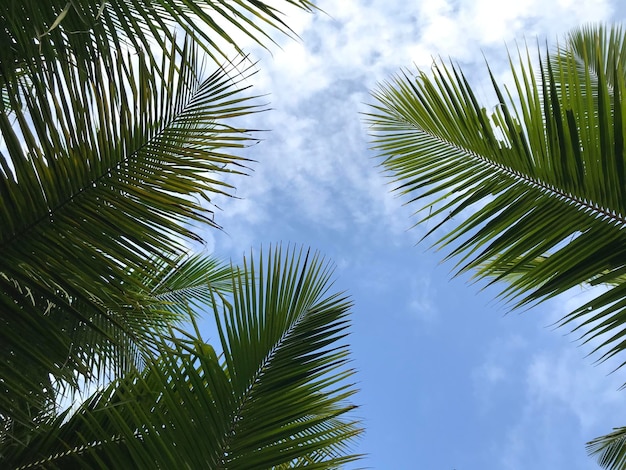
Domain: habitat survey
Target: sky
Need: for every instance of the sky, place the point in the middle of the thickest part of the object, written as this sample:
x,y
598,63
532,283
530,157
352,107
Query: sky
x,y
449,378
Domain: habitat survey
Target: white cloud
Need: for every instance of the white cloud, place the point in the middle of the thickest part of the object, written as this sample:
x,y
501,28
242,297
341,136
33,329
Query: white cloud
x,y
422,300
565,402
555,398
565,379
498,369
317,153
460,29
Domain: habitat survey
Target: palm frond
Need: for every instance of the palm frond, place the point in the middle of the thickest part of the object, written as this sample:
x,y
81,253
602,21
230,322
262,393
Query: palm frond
x,y
104,190
98,175
186,283
278,397
278,336
143,25
610,450
541,175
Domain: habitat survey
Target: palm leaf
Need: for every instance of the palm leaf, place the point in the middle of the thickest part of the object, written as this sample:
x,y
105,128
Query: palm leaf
x,y
278,340
144,25
610,450
187,283
114,185
278,397
89,356
98,176
539,178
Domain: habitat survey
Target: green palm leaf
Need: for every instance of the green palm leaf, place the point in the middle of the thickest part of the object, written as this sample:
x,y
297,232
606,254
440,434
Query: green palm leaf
x,y
112,143
91,28
610,450
541,179
186,284
106,190
542,175
87,356
278,397
98,176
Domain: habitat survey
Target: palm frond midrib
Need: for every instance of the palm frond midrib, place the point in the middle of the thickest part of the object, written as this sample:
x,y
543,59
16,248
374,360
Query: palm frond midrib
x,y
515,175
248,393
74,451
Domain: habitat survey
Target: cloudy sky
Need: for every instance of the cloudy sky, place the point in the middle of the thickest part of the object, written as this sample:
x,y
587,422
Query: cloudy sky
x,y
449,380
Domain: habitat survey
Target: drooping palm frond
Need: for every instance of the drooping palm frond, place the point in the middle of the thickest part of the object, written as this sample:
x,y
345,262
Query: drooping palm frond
x,y
108,168
278,396
97,175
173,291
542,178
542,174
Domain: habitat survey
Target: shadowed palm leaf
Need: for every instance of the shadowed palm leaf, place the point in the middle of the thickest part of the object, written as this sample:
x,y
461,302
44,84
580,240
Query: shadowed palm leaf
x,y
90,28
185,284
107,356
99,176
276,398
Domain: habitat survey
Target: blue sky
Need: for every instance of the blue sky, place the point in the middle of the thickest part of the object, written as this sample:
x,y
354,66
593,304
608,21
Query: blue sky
x,y
448,379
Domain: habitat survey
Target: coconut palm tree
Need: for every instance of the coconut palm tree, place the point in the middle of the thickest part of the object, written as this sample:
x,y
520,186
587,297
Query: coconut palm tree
x,y
540,177
113,137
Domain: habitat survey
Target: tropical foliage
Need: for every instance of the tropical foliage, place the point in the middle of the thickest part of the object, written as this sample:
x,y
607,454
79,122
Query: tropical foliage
x,y
275,398
113,139
533,189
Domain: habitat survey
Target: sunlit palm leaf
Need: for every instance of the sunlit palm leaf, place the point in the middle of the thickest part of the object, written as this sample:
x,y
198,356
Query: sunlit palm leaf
x,y
278,337
542,178
543,175
280,397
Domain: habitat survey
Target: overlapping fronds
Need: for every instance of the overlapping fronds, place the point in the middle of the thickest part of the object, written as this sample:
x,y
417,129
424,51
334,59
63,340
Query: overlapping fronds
x,y
103,171
30,28
100,173
277,397
79,356
542,173
113,142
186,284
